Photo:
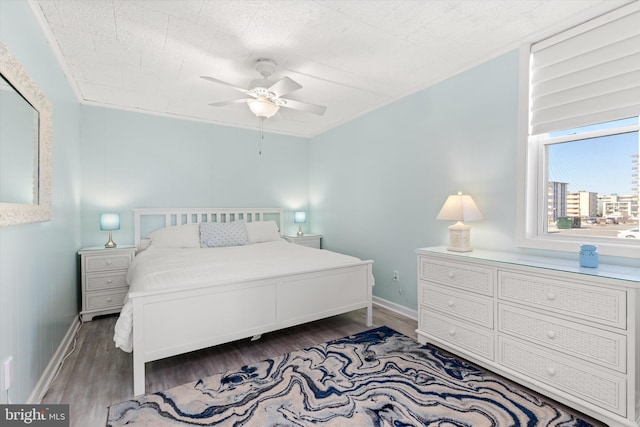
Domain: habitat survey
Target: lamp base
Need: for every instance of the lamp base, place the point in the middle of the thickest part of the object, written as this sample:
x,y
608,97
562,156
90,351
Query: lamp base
x,y
300,233
459,238
110,243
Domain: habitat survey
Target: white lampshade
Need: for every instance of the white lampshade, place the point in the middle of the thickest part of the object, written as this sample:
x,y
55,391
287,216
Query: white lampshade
x,y
109,221
300,217
262,107
459,208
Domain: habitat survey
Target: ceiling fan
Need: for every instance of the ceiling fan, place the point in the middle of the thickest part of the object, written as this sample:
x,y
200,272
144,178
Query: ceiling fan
x,y
266,96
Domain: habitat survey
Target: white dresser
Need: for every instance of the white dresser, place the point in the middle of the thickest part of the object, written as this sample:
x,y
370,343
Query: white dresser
x,y
103,276
568,332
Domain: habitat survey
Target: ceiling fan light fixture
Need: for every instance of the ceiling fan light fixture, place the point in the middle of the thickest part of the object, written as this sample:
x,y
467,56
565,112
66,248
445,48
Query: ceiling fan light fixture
x,y
262,108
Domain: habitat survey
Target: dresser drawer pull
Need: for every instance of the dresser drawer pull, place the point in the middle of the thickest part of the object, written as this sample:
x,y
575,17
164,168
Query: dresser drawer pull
x,y
551,334
108,262
451,274
551,371
452,332
450,303
109,281
109,299
551,296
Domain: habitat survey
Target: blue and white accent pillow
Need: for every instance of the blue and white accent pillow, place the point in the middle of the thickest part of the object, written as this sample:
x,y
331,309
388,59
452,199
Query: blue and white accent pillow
x,y
218,234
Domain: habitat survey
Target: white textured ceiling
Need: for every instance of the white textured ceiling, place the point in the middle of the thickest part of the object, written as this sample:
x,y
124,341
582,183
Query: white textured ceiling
x,y
351,55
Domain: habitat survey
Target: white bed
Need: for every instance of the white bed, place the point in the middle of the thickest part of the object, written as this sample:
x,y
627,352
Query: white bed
x,y
229,293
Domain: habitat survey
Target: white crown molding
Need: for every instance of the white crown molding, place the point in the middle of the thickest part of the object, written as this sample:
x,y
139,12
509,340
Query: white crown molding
x,y
57,52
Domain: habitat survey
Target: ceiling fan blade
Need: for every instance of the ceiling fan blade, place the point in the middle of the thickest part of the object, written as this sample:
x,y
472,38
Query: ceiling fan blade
x,y
304,106
235,101
211,79
284,86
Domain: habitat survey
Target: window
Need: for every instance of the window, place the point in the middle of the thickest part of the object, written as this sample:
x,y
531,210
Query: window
x,y
580,137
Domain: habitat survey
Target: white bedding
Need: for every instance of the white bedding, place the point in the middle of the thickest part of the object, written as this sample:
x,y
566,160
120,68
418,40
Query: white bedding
x,y
158,269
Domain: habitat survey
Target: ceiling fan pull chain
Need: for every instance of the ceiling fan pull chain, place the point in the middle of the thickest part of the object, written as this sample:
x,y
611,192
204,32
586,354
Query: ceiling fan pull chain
x,y
261,121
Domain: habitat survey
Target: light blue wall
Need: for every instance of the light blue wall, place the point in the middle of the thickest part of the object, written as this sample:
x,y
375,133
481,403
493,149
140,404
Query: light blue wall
x,y
132,160
38,268
378,182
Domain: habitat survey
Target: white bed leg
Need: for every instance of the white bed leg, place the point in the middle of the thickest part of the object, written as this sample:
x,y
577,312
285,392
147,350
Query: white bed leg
x,y
256,337
138,348
370,284
138,373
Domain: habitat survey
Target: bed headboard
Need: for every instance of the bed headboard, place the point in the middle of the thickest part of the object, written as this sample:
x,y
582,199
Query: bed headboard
x,y
148,220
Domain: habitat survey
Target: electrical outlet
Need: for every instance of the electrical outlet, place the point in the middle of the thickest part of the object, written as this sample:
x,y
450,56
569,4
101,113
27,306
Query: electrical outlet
x,y
396,276
8,372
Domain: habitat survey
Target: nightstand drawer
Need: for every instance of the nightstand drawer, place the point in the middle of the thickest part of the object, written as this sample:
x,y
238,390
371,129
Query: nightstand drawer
x,y
459,275
97,300
469,307
601,305
96,281
108,262
310,240
476,340
581,380
315,243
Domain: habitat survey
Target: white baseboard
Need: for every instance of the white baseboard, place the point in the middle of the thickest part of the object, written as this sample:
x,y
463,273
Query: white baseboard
x,y
50,371
400,309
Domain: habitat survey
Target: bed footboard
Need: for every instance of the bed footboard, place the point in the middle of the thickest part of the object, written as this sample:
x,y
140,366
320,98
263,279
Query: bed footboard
x,y
175,322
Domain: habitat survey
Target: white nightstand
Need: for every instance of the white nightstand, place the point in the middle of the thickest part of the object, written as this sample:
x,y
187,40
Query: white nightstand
x,y
311,240
103,276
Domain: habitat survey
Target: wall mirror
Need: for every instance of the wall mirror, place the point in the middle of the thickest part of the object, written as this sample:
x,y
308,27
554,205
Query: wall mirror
x,y
25,146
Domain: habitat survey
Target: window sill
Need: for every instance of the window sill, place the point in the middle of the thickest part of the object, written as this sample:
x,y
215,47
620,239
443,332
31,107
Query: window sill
x,y
606,247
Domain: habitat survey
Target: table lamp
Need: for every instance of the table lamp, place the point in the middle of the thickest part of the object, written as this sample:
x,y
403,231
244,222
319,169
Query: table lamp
x,y
459,207
300,217
110,222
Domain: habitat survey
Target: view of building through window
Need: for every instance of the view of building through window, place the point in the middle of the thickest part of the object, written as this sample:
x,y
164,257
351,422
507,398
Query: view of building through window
x,y
592,181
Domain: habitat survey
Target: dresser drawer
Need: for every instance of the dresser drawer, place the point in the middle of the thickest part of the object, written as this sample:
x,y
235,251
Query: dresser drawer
x,y
474,339
591,344
97,300
601,388
108,262
464,305
460,275
96,281
601,305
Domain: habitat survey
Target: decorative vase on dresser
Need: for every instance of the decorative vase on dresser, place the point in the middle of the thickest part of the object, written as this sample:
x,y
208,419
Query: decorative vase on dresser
x,y
103,279
568,332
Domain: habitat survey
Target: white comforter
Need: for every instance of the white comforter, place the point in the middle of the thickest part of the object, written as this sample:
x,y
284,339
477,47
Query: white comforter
x,y
156,269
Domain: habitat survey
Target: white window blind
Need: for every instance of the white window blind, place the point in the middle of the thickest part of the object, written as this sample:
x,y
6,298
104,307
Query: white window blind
x,y
588,74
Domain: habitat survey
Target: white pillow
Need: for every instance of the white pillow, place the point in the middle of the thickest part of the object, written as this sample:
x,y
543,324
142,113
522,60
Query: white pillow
x,y
218,234
262,231
177,236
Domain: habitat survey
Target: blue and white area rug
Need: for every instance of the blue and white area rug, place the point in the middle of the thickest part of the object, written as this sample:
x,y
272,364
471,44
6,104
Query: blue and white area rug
x,y
375,378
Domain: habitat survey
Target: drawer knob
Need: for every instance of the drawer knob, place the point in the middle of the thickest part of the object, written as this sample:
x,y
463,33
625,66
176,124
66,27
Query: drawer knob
x,y
451,274
551,334
109,281
452,332
450,303
109,299
108,262
551,371
551,296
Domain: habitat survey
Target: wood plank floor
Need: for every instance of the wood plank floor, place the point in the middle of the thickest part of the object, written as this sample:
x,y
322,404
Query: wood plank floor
x,y
97,375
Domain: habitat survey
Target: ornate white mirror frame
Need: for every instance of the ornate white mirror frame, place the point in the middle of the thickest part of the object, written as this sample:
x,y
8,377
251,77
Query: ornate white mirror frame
x,y
40,209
